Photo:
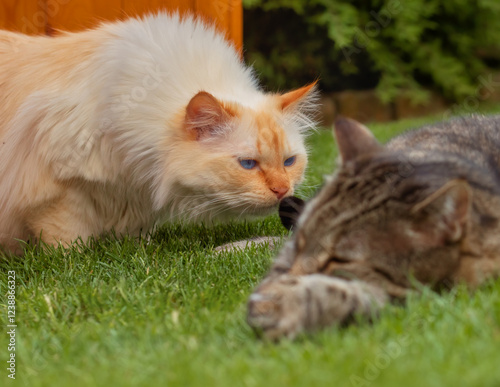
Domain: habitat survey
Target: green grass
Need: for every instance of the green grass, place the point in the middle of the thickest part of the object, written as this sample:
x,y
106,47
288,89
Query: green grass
x,y
171,312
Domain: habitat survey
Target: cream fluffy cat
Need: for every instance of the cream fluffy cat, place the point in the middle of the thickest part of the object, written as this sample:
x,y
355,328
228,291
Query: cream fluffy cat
x,y
135,123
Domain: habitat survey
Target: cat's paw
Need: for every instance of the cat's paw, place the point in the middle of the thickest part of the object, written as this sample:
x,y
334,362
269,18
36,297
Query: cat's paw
x,y
279,308
287,305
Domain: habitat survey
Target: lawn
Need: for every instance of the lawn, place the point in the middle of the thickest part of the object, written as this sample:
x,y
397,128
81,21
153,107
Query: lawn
x,y
171,312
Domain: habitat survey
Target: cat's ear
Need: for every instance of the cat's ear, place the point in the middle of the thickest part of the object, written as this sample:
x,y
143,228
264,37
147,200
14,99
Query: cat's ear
x,y
354,139
205,116
451,204
296,98
290,210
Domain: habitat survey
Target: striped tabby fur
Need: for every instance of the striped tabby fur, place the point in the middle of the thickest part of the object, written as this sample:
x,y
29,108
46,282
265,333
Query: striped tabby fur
x,y
424,208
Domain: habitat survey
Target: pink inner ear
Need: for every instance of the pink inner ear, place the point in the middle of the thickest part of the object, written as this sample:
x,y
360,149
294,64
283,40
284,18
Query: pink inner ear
x,y
206,116
204,110
293,97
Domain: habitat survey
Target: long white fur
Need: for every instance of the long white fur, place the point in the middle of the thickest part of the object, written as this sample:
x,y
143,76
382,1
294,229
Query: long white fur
x,y
98,132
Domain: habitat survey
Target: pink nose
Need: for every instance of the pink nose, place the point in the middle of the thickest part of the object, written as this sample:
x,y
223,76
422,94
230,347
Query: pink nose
x,y
280,191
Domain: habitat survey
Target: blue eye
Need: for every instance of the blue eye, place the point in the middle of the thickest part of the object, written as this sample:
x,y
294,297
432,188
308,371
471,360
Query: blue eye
x,y
248,163
289,161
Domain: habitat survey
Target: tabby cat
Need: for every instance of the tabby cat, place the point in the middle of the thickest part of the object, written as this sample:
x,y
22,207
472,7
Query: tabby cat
x,y
136,123
425,209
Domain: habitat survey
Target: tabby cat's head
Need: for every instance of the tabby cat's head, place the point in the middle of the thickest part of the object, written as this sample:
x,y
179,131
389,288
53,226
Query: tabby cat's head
x,y
381,215
233,159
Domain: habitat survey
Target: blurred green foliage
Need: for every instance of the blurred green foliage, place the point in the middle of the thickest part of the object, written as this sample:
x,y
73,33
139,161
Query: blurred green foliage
x,y
398,46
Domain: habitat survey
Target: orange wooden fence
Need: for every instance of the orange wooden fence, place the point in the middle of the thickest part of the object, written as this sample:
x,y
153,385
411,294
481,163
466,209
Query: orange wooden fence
x,y
46,16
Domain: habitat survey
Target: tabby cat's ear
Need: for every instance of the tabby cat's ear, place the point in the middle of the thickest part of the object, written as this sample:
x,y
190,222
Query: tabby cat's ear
x,y
295,98
354,139
451,204
205,116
